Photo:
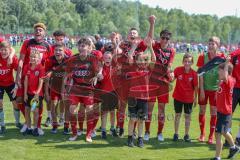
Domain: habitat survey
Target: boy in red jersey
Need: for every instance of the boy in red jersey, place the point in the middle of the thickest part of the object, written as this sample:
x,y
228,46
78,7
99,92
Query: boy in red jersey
x,y
56,74
82,71
33,84
185,94
109,97
7,83
224,109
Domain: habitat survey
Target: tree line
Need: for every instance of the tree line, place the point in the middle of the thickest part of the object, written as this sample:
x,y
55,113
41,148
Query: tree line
x,y
84,17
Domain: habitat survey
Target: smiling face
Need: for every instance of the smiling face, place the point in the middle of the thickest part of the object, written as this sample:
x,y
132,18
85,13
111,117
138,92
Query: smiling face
x,y
34,57
59,53
187,63
39,34
107,58
5,52
132,34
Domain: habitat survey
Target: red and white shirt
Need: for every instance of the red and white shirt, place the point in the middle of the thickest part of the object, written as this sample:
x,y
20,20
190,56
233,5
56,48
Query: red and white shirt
x,y
185,84
224,96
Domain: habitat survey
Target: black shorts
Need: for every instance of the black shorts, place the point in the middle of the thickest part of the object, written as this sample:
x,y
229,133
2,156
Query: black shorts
x,y
223,123
137,108
30,97
109,101
8,89
178,106
236,98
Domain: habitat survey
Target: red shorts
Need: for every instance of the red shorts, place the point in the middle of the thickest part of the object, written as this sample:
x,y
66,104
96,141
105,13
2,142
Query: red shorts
x,y
211,95
55,96
161,99
88,100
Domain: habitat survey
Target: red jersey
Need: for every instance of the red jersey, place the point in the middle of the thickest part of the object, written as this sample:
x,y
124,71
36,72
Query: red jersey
x,y
82,71
235,59
68,52
6,72
51,63
1,39
185,84
200,61
236,52
31,44
224,96
106,83
33,76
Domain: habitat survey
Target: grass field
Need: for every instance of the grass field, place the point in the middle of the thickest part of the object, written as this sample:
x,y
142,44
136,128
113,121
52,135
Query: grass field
x,y
14,145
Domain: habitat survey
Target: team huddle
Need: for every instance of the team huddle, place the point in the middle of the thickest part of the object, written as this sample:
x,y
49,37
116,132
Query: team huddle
x,y
133,73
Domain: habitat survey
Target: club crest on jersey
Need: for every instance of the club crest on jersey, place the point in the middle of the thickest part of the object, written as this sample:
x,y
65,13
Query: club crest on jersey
x,y
36,73
190,78
180,77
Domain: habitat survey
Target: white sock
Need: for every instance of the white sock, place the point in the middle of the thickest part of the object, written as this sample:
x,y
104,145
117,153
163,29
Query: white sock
x,y
49,114
233,147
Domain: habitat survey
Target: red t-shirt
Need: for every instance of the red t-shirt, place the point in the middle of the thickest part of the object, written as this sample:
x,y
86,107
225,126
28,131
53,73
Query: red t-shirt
x,y
68,52
185,83
51,63
33,76
6,72
31,44
106,83
200,61
82,71
235,59
224,96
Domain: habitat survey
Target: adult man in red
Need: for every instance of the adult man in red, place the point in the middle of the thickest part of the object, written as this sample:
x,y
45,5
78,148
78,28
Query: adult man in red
x,y
29,45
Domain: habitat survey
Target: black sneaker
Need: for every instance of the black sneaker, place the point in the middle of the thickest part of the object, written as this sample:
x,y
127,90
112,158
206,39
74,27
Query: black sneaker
x,y
233,152
2,130
130,141
175,137
35,132
66,131
19,125
187,138
54,130
113,132
237,141
28,132
121,132
104,135
226,144
140,142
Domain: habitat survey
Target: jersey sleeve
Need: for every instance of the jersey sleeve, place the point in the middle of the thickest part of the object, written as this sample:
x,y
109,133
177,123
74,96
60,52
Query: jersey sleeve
x,y
200,61
172,55
23,49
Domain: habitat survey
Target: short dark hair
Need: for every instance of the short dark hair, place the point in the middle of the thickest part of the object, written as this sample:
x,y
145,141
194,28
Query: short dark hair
x,y
60,45
59,33
165,32
133,29
85,41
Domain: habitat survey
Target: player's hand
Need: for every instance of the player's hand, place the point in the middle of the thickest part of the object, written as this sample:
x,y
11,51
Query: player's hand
x,y
93,81
100,76
152,19
14,91
202,95
25,98
36,97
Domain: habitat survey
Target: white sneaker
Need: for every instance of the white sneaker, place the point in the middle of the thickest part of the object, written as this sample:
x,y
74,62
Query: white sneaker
x,y
89,139
24,128
146,136
79,132
94,134
40,132
73,138
160,137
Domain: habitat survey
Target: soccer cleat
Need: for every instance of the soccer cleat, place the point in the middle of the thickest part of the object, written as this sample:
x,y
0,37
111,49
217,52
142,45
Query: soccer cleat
x,y
61,122
121,132
79,132
89,139
130,141
201,138
40,132
24,128
146,136
19,125
104,135
160,137
233,152
2,129
35,132
237,141
93,134
48,122
113,132
28,131
66,131
187,138
175,137
73,138
54,130
140,142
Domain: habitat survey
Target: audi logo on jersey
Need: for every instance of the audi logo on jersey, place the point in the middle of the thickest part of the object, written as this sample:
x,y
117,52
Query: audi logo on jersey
x,y
59,74
4,71
81,73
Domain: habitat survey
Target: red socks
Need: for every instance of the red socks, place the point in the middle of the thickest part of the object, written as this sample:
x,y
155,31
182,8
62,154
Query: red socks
x,y
21,108
161,121
213,122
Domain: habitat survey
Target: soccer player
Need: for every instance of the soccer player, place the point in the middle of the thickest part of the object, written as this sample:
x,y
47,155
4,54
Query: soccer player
x,y
7,83
82,70
208,85
139,92
185,94
224,109
36,43
33,84
56,74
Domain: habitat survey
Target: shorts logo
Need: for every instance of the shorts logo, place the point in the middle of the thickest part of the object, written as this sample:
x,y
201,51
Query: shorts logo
x,y
36,73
